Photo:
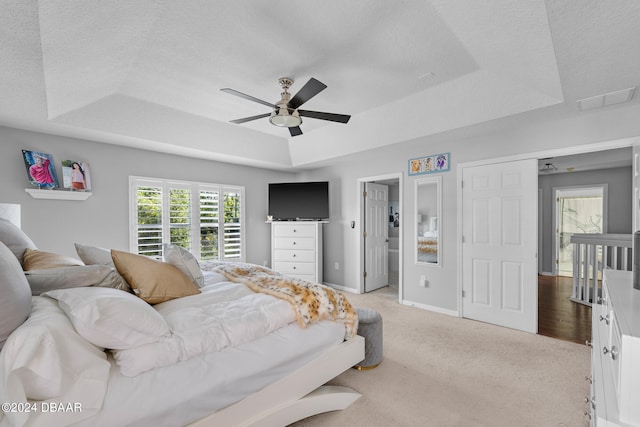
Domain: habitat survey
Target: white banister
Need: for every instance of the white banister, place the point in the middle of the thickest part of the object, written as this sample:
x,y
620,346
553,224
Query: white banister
x,y
591,254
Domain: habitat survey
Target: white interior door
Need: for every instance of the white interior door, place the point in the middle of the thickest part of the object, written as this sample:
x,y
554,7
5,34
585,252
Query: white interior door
x,y
376,237
499,248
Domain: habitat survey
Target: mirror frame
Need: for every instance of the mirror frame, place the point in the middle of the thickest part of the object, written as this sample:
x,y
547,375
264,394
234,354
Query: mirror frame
x,y
437,180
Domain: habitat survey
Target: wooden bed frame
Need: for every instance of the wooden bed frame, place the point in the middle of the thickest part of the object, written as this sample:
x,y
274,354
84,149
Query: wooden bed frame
x,y
299,395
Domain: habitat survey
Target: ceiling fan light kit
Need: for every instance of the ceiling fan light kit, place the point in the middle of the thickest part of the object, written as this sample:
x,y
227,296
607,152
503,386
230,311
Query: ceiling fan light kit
x,y
280,116
285,112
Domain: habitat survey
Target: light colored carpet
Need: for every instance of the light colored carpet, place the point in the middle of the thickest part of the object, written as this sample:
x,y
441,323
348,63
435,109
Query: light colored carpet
x,y
440,370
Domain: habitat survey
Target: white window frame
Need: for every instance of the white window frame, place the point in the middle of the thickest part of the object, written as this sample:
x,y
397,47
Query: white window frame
x,y
195,188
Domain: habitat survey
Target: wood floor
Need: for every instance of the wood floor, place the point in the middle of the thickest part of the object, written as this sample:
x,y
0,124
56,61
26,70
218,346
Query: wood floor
x,y
559,317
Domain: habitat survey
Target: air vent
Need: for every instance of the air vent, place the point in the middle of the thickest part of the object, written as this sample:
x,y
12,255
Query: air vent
x,y
606,99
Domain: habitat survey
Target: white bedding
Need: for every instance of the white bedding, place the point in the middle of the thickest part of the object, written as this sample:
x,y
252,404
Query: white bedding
x,y
223,315
243,350
186,392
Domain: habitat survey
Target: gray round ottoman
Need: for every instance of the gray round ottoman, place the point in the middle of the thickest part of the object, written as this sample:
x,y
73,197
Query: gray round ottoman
x,y
370,327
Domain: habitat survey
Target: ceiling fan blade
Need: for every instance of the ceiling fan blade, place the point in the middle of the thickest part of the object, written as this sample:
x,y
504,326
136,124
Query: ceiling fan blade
x,y
295,131
308,91
248,119
249,97
340,118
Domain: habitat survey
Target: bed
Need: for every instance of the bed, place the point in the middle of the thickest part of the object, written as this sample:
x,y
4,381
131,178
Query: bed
x,y
232,354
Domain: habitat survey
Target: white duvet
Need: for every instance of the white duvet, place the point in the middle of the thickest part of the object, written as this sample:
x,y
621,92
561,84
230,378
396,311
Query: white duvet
x,y
223,315
45,359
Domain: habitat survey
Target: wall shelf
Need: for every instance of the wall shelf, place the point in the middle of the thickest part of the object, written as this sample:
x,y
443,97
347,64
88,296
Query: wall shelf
x,y
58,194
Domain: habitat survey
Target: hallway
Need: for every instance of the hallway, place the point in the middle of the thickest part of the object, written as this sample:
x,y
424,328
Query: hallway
x,y
558,317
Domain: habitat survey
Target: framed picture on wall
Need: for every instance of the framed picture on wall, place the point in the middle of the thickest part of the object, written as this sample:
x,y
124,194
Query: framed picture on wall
x,y
75,175
429,164
41,171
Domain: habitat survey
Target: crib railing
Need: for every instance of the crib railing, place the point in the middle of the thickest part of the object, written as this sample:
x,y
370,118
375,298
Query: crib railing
x,y
591,254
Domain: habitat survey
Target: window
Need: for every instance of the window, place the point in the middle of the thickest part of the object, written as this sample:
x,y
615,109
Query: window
x,y
206,219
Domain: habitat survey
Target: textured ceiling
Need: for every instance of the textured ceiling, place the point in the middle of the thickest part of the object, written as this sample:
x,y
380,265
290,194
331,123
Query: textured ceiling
x,y
148,73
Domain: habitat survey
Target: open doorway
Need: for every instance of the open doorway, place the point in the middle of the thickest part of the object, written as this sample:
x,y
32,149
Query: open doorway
x,y
381,224
582,193
579,209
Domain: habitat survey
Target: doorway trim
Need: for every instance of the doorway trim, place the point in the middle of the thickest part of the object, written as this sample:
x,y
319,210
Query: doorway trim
x,y
567,151
362,214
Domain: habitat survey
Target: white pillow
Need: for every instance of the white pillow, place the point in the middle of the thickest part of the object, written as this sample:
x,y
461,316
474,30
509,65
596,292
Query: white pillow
x,y
184,260
111,318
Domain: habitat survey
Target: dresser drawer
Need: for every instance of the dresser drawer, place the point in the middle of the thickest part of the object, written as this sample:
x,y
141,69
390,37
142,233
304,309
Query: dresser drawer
x,y
294,243
294,230
295,255
296,268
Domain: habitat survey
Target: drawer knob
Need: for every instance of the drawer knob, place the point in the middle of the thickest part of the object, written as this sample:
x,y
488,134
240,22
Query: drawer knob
x,y
294,230
605,318
294,255
294,243
294,267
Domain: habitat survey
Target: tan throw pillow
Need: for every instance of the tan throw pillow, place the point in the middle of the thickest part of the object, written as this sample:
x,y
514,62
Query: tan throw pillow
x,y
153,281
40,260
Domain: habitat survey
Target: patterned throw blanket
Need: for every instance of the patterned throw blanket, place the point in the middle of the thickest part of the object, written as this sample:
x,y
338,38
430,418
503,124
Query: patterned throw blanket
x,y
311,302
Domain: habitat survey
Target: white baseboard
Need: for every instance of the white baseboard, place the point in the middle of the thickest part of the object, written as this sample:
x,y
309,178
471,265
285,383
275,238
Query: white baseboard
x,y
342,288
546,273
440,310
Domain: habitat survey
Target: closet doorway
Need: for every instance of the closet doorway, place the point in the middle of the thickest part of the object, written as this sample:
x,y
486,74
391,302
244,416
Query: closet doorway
x,y
380,235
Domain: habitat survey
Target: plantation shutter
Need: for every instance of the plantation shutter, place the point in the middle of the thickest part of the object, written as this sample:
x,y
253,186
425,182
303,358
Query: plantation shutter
x,y
232,224
148,229
209,223
205,219
179,224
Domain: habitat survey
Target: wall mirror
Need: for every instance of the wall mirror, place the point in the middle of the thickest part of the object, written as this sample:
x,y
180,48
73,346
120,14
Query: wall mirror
x,y
428,203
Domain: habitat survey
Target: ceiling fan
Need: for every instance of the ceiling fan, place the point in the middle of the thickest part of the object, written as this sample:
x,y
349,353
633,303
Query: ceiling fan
x,y
286,112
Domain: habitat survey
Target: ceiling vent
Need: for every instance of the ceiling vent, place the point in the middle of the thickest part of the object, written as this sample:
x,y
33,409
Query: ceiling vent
x,y
606,99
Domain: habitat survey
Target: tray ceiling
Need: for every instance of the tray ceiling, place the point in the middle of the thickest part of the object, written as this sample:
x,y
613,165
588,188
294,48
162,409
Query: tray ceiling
x,y
148,73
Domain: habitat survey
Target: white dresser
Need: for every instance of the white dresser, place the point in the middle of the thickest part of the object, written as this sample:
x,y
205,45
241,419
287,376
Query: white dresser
x,y
615,363
296,249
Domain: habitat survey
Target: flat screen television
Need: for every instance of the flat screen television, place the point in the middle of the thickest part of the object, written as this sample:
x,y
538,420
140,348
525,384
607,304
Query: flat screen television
x,y
299,201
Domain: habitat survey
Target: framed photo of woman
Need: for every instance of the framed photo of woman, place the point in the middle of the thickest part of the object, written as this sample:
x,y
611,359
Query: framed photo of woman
x,y
75,175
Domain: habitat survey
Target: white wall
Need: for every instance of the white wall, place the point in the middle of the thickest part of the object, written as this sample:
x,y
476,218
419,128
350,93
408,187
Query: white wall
x,y
531,133
102,219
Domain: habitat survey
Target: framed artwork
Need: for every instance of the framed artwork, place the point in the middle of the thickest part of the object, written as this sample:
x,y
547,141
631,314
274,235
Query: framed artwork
x,y
429,164
41,171
75,175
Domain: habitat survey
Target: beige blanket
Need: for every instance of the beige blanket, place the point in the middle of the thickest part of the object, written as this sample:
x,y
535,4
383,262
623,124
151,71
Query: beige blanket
x,y
311,302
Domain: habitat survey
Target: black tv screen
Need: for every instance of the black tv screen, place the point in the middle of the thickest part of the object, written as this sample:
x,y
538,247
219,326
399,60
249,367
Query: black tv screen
x,y
291,201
